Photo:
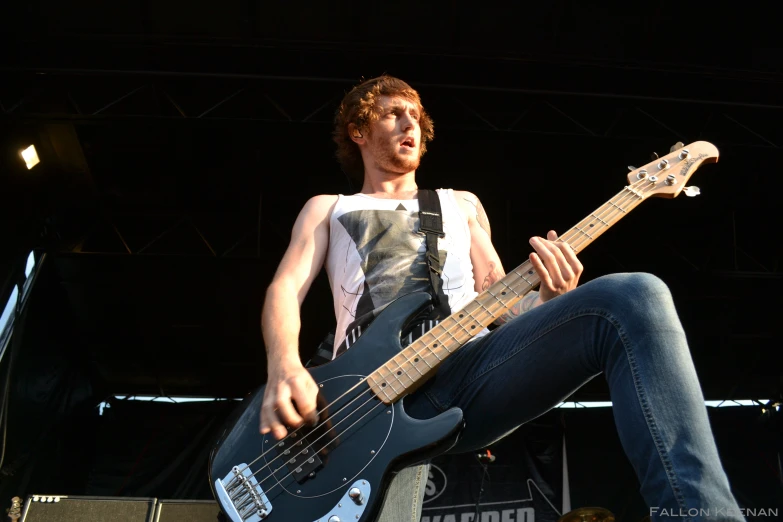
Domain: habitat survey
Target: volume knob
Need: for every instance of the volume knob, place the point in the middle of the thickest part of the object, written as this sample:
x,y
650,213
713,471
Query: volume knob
x,y
334,518
356,496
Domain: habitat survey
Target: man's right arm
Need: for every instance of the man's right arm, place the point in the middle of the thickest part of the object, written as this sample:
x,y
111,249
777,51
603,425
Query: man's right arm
x,y
288,381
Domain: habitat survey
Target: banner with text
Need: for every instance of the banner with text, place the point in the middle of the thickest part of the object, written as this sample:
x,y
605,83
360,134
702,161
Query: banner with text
x,y
523,482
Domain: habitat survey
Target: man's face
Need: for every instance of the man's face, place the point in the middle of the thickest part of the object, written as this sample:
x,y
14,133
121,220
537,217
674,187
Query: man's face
x,y
394,144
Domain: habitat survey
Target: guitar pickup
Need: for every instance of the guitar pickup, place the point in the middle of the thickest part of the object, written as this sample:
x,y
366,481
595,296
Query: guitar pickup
x,y
300,459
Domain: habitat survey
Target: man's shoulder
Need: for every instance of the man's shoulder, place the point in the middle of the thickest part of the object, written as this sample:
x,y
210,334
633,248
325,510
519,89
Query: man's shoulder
x,y
467,200
464,195
322,199
320,205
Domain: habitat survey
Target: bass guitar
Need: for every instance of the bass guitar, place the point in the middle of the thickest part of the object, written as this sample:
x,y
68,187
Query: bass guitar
x,y
339,469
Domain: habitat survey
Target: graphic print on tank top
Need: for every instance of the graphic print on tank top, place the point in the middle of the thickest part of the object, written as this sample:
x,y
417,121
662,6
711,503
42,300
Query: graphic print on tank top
x,y
393,259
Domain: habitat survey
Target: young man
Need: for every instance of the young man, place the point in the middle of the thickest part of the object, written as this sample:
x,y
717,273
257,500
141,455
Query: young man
x,y
551,343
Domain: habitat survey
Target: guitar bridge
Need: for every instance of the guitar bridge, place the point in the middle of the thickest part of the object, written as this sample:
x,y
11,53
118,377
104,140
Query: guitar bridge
x,y
241,495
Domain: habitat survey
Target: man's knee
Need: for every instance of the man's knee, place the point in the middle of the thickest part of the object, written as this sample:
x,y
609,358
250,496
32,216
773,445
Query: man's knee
x,y
638,283
633,293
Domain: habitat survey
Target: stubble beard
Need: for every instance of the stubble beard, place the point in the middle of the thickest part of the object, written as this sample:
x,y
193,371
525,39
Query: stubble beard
x,y
389,161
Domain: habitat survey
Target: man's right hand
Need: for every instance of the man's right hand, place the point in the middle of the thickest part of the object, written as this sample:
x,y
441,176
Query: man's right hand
x,y
289,399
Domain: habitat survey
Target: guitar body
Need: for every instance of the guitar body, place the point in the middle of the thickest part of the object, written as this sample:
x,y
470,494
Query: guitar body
x,y
357,446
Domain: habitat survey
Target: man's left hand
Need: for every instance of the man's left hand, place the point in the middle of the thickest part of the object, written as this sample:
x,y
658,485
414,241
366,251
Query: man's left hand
x,y
556,264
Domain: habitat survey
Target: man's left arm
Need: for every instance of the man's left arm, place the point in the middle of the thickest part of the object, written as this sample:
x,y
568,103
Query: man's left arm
x,y
555,261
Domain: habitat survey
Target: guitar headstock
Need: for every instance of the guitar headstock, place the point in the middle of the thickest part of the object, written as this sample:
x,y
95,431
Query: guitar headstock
x,y
666,176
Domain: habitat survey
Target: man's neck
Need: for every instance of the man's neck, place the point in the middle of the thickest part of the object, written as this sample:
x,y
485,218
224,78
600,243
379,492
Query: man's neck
x,y
400,186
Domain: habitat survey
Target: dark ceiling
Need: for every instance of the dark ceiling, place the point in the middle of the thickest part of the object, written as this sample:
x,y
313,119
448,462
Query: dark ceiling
x,y
180,139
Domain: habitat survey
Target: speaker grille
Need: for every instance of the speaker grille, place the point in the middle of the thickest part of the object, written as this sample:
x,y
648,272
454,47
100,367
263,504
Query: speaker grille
x,y
187,511
96,509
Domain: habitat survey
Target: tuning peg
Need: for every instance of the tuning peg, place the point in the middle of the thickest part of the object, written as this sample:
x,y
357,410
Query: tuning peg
x,y
691,191
654,156
677,146
631,168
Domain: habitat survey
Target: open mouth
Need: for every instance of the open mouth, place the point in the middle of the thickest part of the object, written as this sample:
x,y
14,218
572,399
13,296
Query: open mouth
x,y
409,142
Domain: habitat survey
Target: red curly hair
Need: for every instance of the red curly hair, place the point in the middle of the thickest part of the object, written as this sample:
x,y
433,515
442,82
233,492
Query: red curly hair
x,y
360,107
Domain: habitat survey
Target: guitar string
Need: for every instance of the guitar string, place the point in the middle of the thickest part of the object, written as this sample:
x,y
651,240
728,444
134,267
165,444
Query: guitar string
x,y
614,203
336,437
248,500
363,416
576,231
432,334
617,204
294,432
331,417
620,205
604,220
623,195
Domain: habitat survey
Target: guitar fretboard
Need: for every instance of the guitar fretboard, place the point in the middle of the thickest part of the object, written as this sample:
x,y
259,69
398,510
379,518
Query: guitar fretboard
x,y
417,362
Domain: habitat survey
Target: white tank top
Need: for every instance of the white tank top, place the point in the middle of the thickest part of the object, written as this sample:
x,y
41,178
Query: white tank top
x,y
377,254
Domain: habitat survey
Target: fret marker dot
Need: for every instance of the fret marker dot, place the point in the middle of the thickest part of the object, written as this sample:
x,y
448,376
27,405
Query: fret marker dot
x,y
591,225
399,373
473,326
530,272
383,385
416,359
435,345
461,316
503,292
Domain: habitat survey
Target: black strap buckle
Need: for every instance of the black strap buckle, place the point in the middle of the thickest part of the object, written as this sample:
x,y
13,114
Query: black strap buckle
x,y
431,223
434,263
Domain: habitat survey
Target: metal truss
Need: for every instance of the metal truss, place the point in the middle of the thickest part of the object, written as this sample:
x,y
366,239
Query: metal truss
x,y
175,235
272,101
84,98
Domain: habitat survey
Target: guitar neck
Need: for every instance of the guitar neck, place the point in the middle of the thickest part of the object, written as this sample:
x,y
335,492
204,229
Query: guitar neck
x,y
416,363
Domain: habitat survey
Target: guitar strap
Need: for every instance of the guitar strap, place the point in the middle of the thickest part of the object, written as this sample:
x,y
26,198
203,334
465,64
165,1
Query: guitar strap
x,y
431,223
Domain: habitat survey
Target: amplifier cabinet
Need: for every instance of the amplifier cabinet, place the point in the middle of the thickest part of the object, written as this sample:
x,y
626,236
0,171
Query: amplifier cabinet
x,y
67,508
187,511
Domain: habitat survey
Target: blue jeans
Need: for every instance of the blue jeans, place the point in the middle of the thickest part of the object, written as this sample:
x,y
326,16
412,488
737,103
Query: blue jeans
x,y
625,327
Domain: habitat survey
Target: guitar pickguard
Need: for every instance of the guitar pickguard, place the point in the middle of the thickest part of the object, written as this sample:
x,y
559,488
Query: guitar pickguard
x,y
356,411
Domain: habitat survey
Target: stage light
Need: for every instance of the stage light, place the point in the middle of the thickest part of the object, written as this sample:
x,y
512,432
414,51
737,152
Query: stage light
x,y
30,157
